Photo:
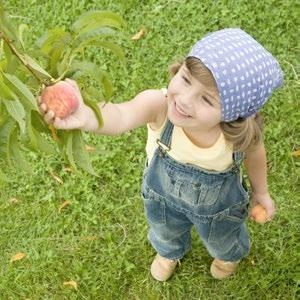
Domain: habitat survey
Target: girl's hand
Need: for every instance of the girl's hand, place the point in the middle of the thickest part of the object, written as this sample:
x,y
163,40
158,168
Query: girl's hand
x,y
82,118
266,201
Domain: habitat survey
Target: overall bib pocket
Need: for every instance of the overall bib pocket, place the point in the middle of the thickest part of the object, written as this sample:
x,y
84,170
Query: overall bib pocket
x,y
210,194
193,194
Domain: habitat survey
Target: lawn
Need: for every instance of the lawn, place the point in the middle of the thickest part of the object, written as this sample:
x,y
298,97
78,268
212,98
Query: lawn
x,y
99,239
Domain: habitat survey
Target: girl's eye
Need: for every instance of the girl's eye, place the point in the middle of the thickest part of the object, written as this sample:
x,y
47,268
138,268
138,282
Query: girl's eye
x,y
206,100
186,80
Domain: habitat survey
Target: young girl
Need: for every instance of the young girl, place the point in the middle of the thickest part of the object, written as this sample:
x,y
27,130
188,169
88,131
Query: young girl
x,y
199,130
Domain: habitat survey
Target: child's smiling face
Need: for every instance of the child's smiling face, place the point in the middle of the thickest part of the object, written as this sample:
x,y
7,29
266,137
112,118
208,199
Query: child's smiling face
x,y
190,104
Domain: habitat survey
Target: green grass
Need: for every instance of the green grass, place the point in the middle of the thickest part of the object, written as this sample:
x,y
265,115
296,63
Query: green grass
x,y
116,264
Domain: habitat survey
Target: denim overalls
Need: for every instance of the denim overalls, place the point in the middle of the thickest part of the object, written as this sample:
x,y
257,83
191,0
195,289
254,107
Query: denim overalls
x,y
177,196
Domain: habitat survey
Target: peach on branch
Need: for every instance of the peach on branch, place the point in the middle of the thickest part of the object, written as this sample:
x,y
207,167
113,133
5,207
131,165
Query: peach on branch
x,y
61,98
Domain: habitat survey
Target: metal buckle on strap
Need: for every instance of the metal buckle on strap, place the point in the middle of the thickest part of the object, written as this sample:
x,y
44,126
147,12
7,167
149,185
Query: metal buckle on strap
x,y
236,168
237,161
164,148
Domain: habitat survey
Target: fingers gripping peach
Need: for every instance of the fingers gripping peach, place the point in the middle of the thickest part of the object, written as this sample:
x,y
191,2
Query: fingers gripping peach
x,y
259,214
61,98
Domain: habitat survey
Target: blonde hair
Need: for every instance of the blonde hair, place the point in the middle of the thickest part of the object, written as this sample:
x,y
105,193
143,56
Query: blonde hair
x,y
244,133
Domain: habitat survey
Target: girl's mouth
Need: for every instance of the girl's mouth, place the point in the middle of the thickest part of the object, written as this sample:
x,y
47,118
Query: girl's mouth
x,y
179,112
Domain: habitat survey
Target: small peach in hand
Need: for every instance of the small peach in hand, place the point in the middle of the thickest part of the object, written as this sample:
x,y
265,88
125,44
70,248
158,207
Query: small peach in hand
x,y
259,214
61,98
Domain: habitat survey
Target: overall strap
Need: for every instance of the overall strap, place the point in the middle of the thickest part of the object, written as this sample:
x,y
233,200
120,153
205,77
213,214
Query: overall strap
x,y
164,142
238,158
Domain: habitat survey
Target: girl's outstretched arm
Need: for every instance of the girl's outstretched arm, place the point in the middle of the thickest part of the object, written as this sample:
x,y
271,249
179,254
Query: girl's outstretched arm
x,y
256,166
148,106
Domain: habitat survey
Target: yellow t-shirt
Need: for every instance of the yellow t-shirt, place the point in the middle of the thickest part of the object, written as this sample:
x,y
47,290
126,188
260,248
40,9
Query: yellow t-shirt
x,y
218,157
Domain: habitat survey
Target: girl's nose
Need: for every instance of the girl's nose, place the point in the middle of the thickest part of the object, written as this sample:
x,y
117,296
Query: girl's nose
x,y
185,101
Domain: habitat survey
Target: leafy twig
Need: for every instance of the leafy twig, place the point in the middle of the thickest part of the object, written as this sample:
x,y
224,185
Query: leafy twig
x,y
21,59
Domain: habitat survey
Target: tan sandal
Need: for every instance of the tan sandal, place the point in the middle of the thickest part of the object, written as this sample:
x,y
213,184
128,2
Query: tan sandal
x,y
163,268
221,269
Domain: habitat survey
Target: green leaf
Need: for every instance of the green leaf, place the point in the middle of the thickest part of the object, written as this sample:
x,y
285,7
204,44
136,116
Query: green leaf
x,y
80,154
37,69
15,156
38,123
64,65
69,151
94,106
12,61
7,124
95,19
14,56
63,138
54,43
7,26
93,34
7,52
108,88
21,29
94,94
23,91
52,39
17,112
94,72
5,91
38,142
60,60
3,65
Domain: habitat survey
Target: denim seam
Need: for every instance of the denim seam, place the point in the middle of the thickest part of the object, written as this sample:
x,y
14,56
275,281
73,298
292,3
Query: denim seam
x,y
187,212
194,169
183,253
186,249
162,204
204,217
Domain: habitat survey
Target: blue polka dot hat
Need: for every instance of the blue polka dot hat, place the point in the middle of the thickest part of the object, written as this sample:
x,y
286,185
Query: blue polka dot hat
x,y
245,72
